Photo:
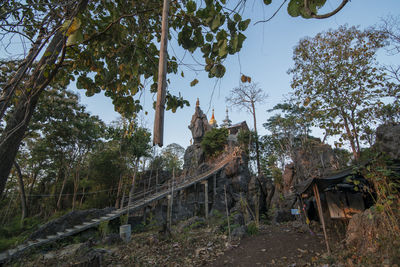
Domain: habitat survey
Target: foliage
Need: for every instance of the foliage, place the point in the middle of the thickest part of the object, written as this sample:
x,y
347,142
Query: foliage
x,y
252,228
289,130
173,155
214,141
336,76
13,233
103,228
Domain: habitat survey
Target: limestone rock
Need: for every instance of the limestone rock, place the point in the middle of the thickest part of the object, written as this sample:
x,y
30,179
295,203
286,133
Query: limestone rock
x,y
388,140
239,232
362,231
193,158
199,125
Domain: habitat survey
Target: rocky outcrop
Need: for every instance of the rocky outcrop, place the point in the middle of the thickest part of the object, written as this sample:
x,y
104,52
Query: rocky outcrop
x,y
194,156
198,125
363,231
288,177
314,160
388,140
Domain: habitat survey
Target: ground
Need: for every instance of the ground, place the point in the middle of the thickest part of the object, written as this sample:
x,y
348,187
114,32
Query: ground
x,y
195,244
282,245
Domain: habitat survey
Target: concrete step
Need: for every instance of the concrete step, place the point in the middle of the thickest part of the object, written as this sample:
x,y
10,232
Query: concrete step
x,y
78,226
51,237
3,256
40,240
22,246
60,233
69,230
12,251
87,223
96,220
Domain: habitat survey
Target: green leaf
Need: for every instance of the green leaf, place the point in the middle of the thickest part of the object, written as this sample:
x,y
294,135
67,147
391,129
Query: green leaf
x,y
209,37
294,8
223,50
216,22
191,6
244,24
194,82
237,17
267,2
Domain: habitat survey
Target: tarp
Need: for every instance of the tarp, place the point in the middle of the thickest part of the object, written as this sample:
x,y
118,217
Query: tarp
x,y
325,182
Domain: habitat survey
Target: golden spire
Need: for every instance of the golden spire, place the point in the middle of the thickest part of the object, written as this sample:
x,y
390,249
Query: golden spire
x,y
213,122
198,103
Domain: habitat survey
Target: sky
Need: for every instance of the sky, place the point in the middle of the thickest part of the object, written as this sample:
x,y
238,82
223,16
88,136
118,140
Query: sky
x,y
265,57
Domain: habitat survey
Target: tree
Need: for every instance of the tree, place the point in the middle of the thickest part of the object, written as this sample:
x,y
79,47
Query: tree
x,y
214,141
96,42
335,74
289,130
245,97
173,155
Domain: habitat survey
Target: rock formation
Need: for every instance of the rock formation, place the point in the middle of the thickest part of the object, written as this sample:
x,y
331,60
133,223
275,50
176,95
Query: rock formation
x,y
388,140
199,124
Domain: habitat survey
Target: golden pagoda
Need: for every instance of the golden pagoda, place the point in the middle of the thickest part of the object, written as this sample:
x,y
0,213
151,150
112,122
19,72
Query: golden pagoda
x,y
213,122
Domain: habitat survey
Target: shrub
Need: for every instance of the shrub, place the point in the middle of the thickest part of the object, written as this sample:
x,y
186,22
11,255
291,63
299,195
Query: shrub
x,y
252,228
214,141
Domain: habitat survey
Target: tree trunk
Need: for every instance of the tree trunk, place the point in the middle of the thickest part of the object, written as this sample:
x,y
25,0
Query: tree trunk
x,y
351,138
35,174
133,184
257,145
19,119
162,83
24,207
76,186
119,191
66,174
9,89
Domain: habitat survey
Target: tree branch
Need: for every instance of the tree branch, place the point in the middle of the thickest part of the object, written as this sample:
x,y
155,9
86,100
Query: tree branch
x,y
273,15
324,16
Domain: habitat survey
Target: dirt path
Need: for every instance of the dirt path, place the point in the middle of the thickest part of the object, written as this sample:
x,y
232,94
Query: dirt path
x,y
281,245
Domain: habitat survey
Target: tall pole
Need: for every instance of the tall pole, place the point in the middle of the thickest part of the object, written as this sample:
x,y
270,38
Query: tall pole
x,y
321,216
158,132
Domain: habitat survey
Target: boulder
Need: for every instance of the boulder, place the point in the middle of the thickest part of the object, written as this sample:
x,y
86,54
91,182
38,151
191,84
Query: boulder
x,y
239,232
363,231
388,140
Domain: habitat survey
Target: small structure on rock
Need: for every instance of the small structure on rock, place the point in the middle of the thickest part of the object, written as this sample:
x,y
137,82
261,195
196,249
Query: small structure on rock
x,y
226,122
213,121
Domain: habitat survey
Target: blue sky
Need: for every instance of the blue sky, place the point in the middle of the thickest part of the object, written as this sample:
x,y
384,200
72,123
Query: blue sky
x,y
265,57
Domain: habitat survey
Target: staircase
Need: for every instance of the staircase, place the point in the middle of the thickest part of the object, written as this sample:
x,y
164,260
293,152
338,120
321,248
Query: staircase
x,y
140,200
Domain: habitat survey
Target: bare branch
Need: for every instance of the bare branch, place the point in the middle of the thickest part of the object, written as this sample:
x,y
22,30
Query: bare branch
x,y
273,15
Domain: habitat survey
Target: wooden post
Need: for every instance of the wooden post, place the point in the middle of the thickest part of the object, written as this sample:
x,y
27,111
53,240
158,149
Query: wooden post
x,y
321,215
206,199
169,212
196,199
214,187
157,181
162,84
227,214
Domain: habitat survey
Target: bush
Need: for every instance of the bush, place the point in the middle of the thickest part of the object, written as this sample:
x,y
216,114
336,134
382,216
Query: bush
x,y
214,141
252,228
